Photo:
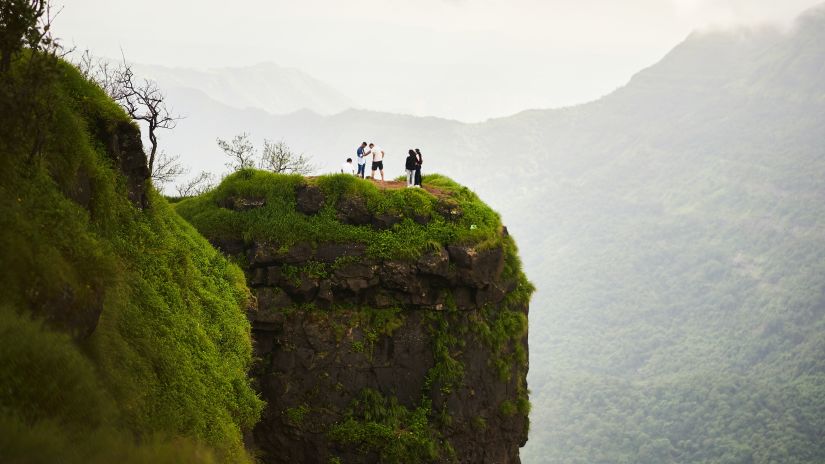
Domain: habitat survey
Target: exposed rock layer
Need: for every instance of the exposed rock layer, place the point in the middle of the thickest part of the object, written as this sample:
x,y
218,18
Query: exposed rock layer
x,y
319,347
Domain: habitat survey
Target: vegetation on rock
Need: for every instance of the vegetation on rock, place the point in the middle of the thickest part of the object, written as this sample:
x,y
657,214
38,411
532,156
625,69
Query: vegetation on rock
x,y
123,331
380,311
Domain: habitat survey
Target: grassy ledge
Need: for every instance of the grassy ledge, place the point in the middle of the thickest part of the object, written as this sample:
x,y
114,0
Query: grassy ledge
x,y
424,218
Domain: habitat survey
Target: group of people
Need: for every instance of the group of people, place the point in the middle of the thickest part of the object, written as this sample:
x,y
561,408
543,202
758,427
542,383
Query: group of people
x,y
412,165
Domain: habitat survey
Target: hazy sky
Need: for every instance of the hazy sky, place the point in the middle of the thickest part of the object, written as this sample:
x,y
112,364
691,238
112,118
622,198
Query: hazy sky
x,y
462,59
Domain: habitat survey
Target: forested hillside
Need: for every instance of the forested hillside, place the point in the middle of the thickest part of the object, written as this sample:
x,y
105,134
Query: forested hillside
x,y
682,265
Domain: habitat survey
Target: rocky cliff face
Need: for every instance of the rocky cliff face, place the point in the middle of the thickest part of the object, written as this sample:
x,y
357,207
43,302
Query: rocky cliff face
x,y
369,358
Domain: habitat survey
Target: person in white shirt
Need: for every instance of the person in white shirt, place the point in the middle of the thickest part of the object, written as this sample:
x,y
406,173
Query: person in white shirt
x,y
348,167
377,160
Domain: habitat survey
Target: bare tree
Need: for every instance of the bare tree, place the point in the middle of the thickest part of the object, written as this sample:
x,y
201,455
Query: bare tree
x,y
197,185
101,72
240,151
167,168
278,157
143,101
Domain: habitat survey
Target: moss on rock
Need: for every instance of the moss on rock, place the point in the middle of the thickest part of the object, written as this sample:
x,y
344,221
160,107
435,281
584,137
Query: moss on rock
x,y
393,320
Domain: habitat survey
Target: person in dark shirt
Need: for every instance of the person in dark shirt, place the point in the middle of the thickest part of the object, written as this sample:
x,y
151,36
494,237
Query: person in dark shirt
x,y
362,160
419,162
411,164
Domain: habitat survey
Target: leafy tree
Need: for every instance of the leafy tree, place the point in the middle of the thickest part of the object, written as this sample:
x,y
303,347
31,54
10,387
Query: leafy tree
x,y
23,23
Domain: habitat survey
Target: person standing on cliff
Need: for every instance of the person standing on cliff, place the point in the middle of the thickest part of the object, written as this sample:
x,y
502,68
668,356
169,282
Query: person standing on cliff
x,y
411,165
377,160
362,160
419,162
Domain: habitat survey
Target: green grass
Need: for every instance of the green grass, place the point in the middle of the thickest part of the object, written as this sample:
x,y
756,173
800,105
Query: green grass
x,y
280,222
378,424
163,376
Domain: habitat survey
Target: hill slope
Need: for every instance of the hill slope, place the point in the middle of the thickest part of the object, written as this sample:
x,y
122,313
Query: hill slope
x,y
123,331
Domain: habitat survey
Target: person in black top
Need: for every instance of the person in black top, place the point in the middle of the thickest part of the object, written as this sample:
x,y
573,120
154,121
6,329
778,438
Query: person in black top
x,y
419,162
411,164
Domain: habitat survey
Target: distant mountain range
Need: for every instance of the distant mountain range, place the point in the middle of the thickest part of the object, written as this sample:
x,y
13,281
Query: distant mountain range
x,y
267,86
675,230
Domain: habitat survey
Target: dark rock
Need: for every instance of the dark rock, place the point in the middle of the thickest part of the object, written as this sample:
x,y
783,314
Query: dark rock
x,y
383,299
386,220
488,266
422,219
257,277
396,275
297,254
449,209
309,199
329,252
364,269
477,269
266,254
325,291
303,290
462,256
435,263
125,148
269,301
241,203
491,294
322,358
353,210
464,298
230,247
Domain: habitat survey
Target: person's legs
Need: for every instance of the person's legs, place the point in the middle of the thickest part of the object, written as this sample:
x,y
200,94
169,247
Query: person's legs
x,y
418,176
410,177
362,170
382,175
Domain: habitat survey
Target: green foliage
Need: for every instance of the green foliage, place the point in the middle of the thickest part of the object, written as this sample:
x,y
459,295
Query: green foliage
x,y
374,423
447,371
167,360
296,415
280,222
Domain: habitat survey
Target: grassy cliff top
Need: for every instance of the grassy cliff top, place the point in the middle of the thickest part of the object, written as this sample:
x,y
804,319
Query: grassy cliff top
x,y
394,223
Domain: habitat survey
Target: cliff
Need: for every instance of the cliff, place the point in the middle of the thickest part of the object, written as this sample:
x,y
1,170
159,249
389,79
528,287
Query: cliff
x,y
390,325
123,336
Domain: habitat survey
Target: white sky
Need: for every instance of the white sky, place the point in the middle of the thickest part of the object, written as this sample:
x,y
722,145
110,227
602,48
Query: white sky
x,y
461,59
